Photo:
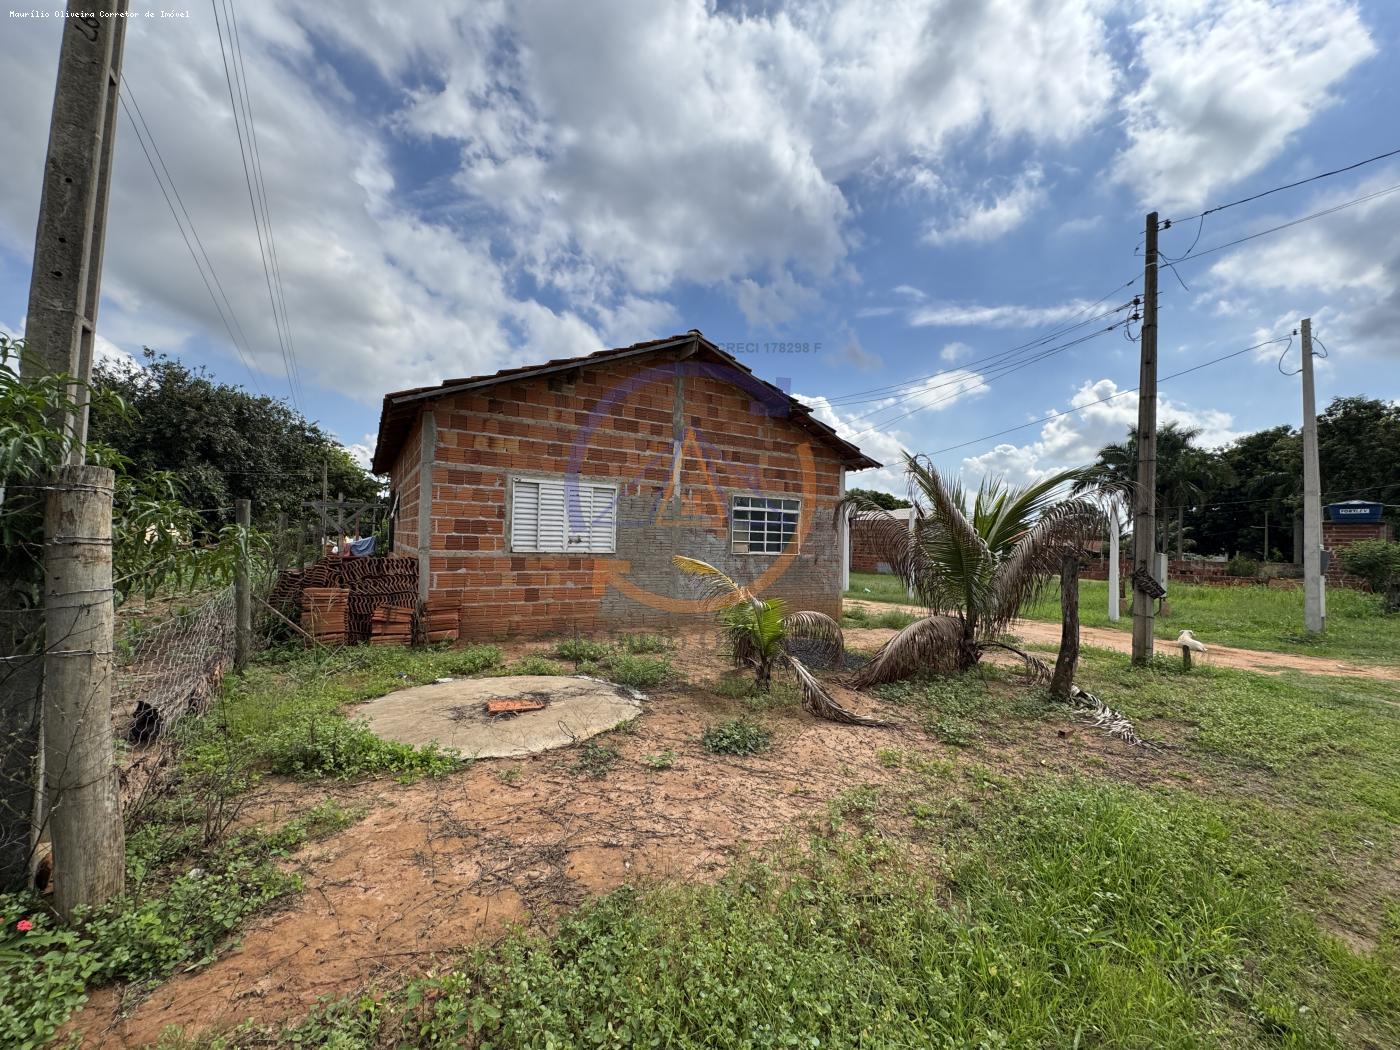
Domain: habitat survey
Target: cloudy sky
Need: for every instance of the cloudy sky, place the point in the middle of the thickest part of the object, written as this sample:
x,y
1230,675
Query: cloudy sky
x,y
936,197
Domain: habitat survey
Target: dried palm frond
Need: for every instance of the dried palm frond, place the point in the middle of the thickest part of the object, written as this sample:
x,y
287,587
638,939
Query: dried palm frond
x,y
932,644
819,629
1037,670
1112,721
819,702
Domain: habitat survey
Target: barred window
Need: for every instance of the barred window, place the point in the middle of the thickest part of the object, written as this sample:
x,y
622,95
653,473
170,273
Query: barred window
x,y
760,525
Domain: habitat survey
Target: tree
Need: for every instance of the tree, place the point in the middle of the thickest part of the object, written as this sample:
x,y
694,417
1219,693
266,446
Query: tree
x,y
1378,563
220,442
1260,485
761,631
1185,473
151,547
883,500
1358,450
973,564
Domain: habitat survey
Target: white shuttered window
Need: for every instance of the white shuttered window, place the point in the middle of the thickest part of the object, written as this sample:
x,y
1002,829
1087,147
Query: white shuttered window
x,y
550,515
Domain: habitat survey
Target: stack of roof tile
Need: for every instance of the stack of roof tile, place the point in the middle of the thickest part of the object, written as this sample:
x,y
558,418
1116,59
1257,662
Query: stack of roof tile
x,y
323,613
391,626
440,617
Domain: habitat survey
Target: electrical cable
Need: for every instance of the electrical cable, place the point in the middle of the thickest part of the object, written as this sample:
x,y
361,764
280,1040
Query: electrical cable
x,y
1103,400
1167,224
122,97
252,202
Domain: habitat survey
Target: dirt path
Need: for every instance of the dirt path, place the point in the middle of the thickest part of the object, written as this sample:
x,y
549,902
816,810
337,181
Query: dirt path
x,y
1041,633
440,865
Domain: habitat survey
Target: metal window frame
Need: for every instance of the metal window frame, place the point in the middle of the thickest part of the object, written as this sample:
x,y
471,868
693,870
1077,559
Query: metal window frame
x,y
536,479
794,544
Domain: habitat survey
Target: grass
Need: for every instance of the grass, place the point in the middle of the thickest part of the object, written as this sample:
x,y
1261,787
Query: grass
x,y
877,587
1262,618
1251,618
974,899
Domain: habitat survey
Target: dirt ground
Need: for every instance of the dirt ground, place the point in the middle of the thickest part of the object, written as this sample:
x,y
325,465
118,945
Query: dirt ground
x,y
436,866
1039,633
439,865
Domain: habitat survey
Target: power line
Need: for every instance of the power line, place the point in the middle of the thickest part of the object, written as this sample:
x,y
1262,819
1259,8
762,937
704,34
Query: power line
x,y
142,141
1286,225
857,396
1007,370
231,14
1104,400
1278,189
252,202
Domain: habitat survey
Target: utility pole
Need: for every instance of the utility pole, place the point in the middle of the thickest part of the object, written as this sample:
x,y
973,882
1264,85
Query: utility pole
x,y
1113,564
66,286
60,328
242,589
1314,618
85,803
1145,495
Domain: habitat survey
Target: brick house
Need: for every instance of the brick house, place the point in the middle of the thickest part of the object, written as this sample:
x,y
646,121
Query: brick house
x,y
551,498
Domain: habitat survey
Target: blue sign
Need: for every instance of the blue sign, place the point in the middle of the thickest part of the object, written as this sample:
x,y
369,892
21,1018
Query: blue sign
x,y
1354,510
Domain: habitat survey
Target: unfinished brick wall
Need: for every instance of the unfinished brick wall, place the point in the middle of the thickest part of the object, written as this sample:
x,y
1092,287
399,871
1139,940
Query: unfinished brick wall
x,y
1337,536
866,554
616,422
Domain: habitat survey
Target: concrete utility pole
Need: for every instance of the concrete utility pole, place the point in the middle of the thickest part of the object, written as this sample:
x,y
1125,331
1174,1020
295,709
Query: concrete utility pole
x,y
64,292
1314,617
1145,496
242,591
1113,564
85,809
66,286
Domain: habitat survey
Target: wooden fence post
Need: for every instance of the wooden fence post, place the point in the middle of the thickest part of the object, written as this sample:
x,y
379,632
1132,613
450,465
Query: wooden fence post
x,y
282,544
242,593
85,812
1068,658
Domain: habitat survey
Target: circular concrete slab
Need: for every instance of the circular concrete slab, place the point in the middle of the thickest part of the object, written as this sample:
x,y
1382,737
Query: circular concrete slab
x,y
453,714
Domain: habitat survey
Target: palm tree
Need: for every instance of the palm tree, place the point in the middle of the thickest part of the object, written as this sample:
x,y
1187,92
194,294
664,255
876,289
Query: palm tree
x,y
761,630
973,564
1184,473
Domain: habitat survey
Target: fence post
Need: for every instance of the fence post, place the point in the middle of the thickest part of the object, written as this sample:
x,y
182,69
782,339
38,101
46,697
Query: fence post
x,y
1068,657
242,592
282,543
85,812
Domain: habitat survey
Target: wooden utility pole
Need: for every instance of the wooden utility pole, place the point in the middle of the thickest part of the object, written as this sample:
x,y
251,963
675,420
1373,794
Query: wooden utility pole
x,y
60,329
84,799
242,590
1313,616
1068,658
1145,495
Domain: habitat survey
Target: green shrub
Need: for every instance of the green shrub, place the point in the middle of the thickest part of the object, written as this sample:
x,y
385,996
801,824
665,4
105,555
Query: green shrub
x,y
1240,565
334,746
533,665
660,760
44,972
580,649
1375,561
472,660
184,923
644,643
738,736
637,672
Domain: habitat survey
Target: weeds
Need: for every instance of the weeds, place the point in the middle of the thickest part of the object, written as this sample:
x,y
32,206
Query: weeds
x,y
644,643
738,736
660,760
596,760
